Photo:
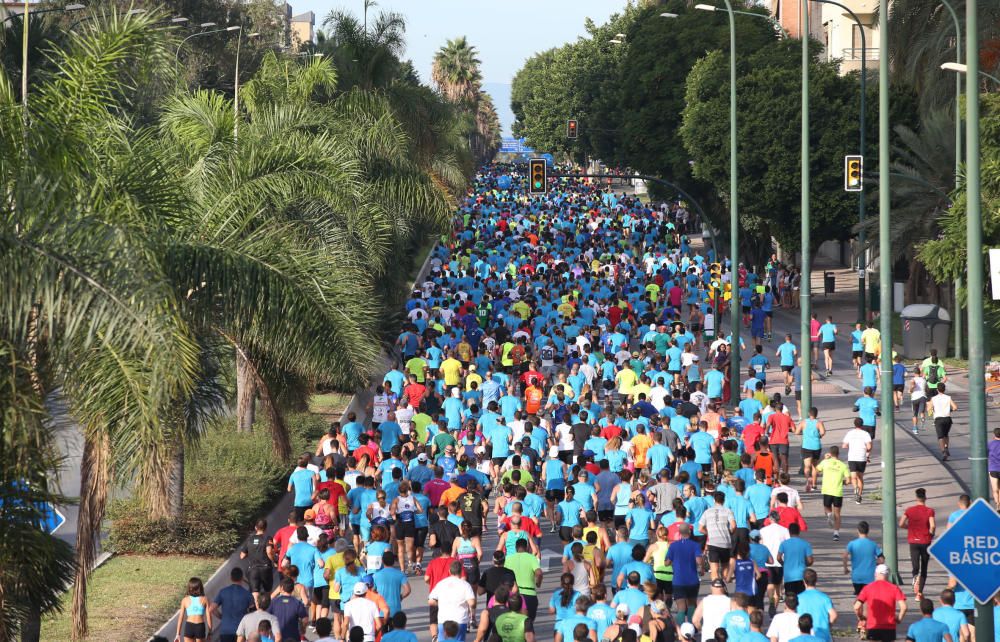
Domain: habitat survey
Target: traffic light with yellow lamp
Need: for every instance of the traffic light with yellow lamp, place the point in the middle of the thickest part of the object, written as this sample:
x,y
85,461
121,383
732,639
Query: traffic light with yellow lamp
x,y
854,173
537,176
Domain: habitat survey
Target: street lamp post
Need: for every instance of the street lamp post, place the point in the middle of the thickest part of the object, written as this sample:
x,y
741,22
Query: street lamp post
x,y
974,249
862,263
958,160
734,230
236,85
885,299
204,25
734,219
24,47
805,285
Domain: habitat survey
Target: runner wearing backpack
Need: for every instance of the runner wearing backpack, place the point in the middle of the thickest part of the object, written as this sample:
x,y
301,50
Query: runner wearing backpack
x,y
934,373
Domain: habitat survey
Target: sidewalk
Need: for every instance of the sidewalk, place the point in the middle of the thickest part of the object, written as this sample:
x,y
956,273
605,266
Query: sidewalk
x,y
916,466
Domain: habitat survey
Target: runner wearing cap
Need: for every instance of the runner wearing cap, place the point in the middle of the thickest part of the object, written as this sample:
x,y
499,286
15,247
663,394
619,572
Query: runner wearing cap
x,y
879,607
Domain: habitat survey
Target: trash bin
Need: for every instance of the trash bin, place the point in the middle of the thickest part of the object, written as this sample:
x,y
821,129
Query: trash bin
x,y
925,326
829,283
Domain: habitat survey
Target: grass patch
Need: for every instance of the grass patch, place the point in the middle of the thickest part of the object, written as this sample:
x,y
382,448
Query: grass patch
x,y
230,480
131,596
330,403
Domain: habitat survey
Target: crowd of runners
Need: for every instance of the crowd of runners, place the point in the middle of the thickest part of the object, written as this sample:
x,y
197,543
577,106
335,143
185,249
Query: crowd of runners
x,y
559,370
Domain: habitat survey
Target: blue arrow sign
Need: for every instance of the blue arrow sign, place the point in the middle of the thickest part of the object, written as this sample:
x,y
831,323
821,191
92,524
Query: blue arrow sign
x,y
51,520
970,550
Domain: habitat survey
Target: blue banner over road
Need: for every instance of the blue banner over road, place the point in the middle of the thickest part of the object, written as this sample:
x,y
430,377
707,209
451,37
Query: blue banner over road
x,y
970,550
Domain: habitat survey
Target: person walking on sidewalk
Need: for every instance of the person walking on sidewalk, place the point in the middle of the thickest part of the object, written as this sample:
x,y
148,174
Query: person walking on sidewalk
x,y
918,520
942,404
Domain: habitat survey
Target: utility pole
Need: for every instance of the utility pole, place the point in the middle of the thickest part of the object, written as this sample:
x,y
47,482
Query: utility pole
x,y
885,300
805,287
974,242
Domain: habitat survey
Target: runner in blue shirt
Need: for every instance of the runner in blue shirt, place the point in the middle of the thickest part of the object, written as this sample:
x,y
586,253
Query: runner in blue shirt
x,y
786,354
863,554
828,338
867,408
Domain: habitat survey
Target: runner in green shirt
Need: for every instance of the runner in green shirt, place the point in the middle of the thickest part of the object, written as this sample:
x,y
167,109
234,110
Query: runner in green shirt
x,y
527,574
835,473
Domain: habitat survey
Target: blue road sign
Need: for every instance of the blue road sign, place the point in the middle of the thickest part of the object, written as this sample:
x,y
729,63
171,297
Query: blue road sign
x,y
52,520
970,550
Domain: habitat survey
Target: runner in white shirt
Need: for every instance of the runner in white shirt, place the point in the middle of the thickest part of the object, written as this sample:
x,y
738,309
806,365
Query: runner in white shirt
x,y
772,536
455,601
793,495
785,625
404,417
918,398
658,396
858,443
380,407
362,612
942,404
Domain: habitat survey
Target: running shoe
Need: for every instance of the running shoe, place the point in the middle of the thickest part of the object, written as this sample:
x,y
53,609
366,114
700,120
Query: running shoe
x,y
829,522
836,536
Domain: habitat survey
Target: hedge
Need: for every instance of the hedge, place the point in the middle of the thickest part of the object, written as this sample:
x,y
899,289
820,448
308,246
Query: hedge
x,y
230,480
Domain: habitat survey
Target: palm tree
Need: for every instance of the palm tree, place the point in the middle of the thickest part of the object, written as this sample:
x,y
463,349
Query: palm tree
x,y
85,301
34,566
456,71
366,56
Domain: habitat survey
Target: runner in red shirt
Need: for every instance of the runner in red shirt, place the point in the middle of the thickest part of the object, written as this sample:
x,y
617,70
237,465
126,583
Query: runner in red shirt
x,y
778,426
881,598
918,520
611,431
415,392
751,434
284,534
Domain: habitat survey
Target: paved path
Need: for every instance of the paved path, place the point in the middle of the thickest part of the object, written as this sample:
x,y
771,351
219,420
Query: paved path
x,y
916,466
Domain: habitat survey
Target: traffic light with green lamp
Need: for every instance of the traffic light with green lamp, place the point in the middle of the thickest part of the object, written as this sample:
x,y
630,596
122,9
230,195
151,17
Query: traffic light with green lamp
x,y
537,176
853,173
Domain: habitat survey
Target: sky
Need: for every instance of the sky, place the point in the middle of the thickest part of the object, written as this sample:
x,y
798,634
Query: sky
x,y
506,32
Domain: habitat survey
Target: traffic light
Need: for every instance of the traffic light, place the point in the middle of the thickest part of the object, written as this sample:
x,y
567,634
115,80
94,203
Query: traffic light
x,y
537,176
853,173
571,129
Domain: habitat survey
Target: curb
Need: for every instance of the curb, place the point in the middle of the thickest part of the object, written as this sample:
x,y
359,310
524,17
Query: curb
x,y
277,514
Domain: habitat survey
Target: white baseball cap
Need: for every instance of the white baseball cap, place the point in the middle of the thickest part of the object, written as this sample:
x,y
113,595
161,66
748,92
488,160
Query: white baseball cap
x,y
882,569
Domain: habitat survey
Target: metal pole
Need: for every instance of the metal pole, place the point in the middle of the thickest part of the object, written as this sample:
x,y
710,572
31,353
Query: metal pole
x,y
958,162
24,62
862,263
734,222
862,257
236,90
885,299
974,241
805,287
